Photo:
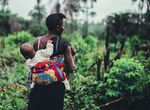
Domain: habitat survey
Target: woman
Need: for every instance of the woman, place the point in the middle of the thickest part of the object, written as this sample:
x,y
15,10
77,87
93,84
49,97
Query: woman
x,y
51,97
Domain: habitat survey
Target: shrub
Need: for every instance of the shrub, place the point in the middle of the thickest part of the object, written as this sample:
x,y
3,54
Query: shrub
x,y
13,87
10,52
83,94
86,51
126,77
18,38
37,29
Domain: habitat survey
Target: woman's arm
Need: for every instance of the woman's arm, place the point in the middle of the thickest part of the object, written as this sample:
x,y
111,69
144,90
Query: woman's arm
x,y
69,60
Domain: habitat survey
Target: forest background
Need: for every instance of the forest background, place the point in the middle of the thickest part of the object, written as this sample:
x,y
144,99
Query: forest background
x,y
112,57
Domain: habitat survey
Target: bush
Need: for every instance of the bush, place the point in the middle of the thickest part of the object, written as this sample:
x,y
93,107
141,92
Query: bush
x,y
18,38
11,45
86,51
124,77
37,29
135,41
83,94
13,87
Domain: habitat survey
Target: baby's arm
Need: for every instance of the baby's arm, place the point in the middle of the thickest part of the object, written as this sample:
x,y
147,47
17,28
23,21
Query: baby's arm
x,y
48,51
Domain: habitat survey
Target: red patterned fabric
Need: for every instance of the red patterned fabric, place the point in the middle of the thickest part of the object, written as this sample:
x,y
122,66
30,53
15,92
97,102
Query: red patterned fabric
x,y
43,66
46,67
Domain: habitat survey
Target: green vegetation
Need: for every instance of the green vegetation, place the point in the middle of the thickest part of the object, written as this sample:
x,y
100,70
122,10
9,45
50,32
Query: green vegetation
x,y
112,57
13,72
126,79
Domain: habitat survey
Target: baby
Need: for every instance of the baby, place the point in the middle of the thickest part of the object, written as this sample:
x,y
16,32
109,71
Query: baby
x,y
33,57
43,55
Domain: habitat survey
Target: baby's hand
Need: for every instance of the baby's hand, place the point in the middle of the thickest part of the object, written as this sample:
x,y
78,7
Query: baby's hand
x,y
49,41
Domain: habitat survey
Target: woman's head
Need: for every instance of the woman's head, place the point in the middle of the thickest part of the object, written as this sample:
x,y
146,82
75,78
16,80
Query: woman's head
x,y
55,23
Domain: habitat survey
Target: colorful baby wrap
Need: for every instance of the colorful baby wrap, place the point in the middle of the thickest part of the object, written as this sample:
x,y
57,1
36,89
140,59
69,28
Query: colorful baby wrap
x,y
45,73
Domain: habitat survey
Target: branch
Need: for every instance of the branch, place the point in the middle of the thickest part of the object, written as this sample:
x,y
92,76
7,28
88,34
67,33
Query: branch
x,y
91,66
112,102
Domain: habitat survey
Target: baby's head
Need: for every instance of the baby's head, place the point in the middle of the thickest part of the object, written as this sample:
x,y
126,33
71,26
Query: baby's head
x,y
27,50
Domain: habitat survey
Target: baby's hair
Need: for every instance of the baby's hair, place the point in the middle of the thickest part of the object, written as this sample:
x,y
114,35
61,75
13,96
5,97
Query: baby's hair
x,y
26,50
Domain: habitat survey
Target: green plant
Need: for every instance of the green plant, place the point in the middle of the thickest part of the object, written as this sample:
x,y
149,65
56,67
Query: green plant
x,y
135,41
83,94
18,38
12,99
124,78
86,51
11,45
13,87
125,73
37,29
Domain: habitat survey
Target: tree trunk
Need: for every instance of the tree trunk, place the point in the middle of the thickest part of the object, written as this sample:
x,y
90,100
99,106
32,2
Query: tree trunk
x,y
98,63
118,56
107,53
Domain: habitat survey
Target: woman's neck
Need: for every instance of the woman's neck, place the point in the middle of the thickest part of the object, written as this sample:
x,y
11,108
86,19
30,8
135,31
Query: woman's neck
x,y
51,34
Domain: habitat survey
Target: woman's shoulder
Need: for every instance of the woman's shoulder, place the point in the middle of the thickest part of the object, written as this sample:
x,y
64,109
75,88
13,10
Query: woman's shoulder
x,y
35,43
63,43
39,43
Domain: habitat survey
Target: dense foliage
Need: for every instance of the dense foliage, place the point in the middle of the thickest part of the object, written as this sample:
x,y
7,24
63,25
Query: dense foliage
x,y
126,78
13,73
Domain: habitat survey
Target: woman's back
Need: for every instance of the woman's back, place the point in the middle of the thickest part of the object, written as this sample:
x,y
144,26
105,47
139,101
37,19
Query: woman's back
x,y
49,97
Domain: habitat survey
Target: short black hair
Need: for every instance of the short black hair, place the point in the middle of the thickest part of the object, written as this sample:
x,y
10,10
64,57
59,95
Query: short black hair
x,y
53,20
